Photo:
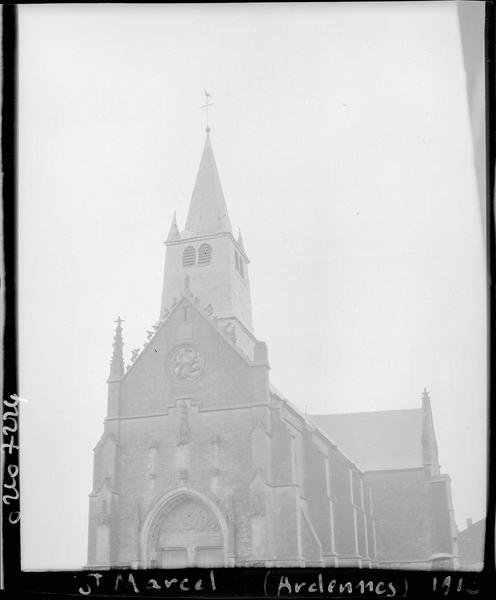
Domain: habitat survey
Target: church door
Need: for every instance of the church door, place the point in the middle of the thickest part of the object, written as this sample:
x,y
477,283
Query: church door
x,y
208,558
173,558
186,533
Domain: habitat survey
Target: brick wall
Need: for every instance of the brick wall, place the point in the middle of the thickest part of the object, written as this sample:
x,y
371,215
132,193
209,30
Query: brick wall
x,y
315,490
226,379
214,434
401,512
439,515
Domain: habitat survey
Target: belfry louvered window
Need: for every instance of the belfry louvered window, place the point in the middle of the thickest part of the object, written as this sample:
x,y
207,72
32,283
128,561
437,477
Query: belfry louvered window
x,y
189,256
204,254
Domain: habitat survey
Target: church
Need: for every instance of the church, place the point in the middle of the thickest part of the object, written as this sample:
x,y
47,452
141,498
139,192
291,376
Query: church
x,y
203,463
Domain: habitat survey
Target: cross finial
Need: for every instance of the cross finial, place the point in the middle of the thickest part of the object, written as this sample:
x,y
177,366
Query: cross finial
x,y
206,106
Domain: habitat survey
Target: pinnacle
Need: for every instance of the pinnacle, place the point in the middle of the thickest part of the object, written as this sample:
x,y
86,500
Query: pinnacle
x,y
117,362
240,241
173,231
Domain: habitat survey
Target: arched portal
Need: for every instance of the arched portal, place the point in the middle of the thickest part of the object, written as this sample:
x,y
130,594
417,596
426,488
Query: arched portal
x,y
184,530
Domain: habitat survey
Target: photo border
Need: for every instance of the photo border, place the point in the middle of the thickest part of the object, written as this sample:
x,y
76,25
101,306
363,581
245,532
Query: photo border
x,y
227,582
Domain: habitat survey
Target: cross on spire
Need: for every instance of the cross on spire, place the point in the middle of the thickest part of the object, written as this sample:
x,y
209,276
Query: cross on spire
x,y
206,106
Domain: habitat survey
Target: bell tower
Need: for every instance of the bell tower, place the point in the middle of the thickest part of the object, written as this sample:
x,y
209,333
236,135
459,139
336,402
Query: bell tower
x,y
205,256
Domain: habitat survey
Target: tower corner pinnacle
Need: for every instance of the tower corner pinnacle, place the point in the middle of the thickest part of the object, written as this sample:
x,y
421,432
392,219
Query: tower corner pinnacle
x,y
174,234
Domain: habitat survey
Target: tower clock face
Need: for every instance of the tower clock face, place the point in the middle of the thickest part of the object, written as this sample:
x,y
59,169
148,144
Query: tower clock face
x,y
185,363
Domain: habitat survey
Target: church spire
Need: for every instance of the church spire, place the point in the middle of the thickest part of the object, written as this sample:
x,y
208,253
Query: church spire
x,y
206,255
207,210
117,362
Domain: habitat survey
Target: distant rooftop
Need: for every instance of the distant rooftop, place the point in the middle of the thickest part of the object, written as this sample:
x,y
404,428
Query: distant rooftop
x,y
376,441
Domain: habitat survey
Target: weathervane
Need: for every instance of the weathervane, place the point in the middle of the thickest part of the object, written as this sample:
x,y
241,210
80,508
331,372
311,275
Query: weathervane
x,y
206,107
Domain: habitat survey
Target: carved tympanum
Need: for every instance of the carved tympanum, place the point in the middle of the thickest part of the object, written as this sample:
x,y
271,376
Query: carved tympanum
x,y
190,516
182,515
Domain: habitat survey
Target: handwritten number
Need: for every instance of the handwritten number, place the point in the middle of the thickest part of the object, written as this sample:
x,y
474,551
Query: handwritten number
x,y
12,404
11,446
14,474
12,470
14,519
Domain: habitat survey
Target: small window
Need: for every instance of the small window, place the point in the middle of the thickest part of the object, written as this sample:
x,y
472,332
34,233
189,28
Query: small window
x,y
241,266
236,260
204,254
189,256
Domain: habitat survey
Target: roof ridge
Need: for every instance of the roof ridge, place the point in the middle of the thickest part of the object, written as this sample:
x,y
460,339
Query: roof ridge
x,y
365,412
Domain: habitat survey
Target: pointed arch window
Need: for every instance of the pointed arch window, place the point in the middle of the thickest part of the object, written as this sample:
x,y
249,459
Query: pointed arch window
x,y
204,254
189,256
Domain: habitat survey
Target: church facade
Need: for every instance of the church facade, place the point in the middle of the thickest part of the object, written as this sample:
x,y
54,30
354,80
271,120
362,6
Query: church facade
x,y
202,462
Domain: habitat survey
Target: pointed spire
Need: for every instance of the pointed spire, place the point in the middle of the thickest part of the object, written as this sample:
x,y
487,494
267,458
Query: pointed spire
x,y
240,241
426,401
426,409
207,209
173,231
429,444
117,362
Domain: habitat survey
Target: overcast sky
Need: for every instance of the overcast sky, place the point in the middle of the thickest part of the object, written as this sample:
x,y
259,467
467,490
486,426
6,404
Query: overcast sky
x,y
342,137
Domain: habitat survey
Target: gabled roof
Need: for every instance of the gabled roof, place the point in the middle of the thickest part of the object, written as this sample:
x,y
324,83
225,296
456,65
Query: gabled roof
x,y
207,209
376,441
187,297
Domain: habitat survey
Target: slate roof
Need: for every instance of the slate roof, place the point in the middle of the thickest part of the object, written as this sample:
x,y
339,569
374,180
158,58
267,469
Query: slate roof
x,y
376,441
207,210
